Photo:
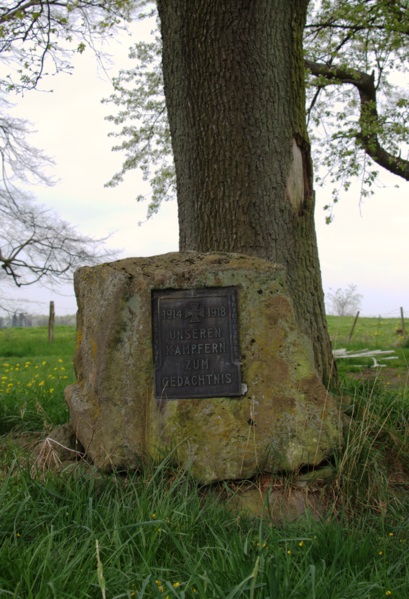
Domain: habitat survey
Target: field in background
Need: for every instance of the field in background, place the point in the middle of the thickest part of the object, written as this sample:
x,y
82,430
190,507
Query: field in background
x,y
33,342
374,333
383,334
33,375
34,372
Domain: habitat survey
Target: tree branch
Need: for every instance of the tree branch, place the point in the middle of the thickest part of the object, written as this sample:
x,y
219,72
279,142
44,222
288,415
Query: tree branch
x,y
368,119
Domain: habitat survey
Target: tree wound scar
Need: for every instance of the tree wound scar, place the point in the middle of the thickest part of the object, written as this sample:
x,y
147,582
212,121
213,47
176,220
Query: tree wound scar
x,y
295,182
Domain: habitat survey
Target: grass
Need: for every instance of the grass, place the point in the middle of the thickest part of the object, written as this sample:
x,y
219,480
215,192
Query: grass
x,y
371,333
156,534
33,375
33,342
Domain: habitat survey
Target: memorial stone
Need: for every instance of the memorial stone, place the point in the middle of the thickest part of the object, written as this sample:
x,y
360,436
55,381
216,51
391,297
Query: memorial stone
x,y
199,355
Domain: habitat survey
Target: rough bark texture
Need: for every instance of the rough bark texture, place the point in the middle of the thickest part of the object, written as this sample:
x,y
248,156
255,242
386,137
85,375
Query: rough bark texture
x,y
234,87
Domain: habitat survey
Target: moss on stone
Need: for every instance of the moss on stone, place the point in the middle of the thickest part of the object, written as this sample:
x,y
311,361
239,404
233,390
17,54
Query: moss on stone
x,y
284,420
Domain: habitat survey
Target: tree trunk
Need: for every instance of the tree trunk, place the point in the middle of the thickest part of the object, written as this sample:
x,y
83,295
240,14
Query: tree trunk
x,y
234,87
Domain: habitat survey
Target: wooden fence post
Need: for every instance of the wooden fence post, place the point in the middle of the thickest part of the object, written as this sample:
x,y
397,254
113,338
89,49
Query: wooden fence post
x,y
353,327
51,323
402,318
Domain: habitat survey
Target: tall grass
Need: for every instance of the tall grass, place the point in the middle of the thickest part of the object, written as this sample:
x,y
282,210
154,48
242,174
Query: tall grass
x,y
159,536
373,466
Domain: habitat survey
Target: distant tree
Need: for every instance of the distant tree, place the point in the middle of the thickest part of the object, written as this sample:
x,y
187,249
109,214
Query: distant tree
x,y
345,302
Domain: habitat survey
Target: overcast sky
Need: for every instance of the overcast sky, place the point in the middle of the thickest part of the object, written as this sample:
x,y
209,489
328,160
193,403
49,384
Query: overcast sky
x,y
367,244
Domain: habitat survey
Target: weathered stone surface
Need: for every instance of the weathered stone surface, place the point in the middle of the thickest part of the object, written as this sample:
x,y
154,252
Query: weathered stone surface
x,y
280,506
284,420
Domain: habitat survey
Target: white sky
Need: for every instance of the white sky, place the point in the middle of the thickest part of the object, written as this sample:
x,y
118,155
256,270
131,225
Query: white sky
x,y
367,245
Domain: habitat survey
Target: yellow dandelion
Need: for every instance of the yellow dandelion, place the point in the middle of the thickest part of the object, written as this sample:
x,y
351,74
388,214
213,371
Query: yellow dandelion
x,y
300,544
41,384
288,552
391,534
60,360
43,363
380,552
388,593
176,585
153,516
51,390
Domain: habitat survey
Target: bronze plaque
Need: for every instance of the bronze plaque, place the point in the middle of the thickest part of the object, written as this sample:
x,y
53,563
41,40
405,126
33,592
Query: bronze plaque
x,y
196,343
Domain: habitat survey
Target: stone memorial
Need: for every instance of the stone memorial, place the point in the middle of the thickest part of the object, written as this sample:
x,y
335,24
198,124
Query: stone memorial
x,y
198,355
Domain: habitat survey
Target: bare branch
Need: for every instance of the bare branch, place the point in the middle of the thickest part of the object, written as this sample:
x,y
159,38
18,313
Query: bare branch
x,y
35,244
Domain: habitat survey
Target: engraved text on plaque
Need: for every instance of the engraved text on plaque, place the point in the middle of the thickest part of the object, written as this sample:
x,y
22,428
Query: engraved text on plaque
x,y
196,345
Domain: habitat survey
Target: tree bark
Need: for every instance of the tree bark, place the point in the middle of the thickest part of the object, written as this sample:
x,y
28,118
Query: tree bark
x,y
234,87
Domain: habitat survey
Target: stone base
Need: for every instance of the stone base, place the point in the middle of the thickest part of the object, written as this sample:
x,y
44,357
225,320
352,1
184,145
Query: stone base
x,y
284,419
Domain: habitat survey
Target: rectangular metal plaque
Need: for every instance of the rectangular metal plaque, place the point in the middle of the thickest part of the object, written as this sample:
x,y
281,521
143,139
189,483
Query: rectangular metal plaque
x,y
196,343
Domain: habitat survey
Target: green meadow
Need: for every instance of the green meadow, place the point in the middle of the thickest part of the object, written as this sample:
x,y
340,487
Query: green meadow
x,y
33,376
79,533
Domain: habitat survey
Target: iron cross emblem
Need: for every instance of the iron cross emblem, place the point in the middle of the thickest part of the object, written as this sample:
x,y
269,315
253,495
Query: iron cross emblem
x,y
195,312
